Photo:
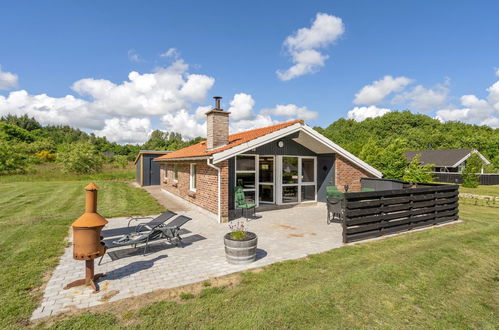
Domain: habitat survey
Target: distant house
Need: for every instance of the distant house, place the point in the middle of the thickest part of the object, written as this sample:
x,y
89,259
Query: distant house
x,y
447,160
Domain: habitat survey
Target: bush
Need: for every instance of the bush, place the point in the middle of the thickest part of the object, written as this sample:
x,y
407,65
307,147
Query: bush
x,y
45,156
13,158
417,173
120,161
473,166
80,158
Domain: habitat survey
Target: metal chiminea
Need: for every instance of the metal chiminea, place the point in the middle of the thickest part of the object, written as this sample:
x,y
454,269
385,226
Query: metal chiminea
x,y
87,241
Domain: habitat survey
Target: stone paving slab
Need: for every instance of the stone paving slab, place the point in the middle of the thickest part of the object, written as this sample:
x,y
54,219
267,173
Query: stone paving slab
x,y
285,234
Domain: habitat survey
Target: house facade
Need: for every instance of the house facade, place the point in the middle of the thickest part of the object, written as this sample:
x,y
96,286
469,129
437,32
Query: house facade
x,y
283,164
446,160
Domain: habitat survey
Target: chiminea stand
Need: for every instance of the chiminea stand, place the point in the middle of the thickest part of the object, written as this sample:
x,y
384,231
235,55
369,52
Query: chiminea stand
x,y
87,241
90,277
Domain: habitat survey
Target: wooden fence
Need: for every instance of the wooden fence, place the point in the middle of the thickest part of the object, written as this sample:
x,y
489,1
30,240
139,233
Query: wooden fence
x,y
378,213
484,179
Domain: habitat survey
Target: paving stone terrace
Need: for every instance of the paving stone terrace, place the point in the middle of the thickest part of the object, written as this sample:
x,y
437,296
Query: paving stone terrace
x,y
283,234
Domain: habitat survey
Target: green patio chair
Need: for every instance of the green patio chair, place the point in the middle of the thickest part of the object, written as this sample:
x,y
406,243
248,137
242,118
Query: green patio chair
x,y
332,191
243,203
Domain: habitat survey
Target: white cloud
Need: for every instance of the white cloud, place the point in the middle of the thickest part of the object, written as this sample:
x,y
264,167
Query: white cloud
x,y
241,107
260,120
171,52
8,80
303,45
200,113
493,97
133,56
362,113
126,130
66,110
292,111
475,110
377,91
424,99
184,123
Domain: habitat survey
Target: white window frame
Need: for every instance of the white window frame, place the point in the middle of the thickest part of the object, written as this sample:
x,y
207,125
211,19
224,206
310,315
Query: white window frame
x,y
175,173
267,183
165,171
255,172
300,183
192,177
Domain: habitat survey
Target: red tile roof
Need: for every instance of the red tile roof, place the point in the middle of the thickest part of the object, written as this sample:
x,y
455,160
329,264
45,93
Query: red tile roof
x,y
199,149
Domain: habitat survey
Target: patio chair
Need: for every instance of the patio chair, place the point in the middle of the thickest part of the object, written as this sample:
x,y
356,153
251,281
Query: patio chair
x,y
155,222
170,232
243,203
332,191
334,210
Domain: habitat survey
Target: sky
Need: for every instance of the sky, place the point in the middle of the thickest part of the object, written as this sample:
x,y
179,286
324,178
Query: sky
x,y
121,69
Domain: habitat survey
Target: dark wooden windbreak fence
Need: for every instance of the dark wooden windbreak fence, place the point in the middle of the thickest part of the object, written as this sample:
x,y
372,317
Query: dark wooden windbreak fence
x,y
378,213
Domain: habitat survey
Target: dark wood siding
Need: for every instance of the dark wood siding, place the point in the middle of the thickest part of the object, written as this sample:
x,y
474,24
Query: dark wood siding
x,y
325,175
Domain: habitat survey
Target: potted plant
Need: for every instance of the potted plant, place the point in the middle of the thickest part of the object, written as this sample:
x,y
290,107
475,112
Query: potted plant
x,y
240,244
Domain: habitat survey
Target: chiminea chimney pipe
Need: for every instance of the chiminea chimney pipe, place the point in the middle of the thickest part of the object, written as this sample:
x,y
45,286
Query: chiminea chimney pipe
x,y
217,102
90,199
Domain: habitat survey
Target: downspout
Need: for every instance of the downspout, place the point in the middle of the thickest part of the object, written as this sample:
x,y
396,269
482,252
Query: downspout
x,y
219,181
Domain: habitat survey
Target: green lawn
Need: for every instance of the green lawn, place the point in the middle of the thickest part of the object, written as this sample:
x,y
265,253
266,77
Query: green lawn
x,y
34,220
481,190
442,278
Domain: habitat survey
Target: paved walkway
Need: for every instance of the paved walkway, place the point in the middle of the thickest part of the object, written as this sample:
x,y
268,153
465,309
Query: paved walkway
x,y
282,235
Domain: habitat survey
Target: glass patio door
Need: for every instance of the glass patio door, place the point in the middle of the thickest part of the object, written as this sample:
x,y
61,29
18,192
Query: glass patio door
x,y
297,179
289,179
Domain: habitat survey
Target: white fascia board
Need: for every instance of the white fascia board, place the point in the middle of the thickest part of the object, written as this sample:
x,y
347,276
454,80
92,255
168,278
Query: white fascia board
x,y
339,150
181,159
474,151
226,154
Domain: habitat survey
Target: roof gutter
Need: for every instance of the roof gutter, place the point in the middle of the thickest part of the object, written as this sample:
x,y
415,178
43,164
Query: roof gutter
x,y
219,184
180,159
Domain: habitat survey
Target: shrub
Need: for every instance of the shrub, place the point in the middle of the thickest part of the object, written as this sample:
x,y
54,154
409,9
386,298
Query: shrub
x,y
473,166
414,172
13,158
80,157
45,156
120,161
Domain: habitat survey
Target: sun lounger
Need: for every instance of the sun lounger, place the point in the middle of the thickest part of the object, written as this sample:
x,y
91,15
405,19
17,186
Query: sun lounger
x,y
155,222
169,232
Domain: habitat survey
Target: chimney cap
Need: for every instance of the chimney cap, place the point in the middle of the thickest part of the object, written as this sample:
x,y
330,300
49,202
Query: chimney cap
x,y
217,102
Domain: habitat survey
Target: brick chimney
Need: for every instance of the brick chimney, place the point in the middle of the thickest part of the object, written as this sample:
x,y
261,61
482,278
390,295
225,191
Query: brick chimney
x,y
217,126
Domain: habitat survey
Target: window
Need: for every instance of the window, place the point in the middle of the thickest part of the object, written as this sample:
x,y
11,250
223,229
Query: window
x,y
165,172
175,172
246,175
192,180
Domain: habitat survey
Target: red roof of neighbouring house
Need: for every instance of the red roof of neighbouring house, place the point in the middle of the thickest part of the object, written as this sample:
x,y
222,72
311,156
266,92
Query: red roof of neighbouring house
x,y
199,149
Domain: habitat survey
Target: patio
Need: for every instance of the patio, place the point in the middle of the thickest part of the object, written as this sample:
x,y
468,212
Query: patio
x,y
283,234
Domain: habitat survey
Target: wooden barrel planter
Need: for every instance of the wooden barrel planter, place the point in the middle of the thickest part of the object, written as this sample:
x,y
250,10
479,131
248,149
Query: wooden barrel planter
x,y
240,251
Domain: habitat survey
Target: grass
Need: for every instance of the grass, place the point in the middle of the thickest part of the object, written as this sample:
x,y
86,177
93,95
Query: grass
x,y
442,278
53,172
34,220
492,190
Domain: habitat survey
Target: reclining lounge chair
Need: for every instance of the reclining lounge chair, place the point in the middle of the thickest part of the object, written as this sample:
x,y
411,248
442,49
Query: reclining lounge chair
x,y
170,232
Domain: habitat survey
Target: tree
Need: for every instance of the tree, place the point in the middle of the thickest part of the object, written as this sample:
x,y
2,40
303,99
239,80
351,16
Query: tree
x,y
417,173
25,122
473,166
82,157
